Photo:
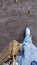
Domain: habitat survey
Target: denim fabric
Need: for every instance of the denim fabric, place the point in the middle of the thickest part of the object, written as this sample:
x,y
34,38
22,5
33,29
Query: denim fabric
x,y
33,63
30,52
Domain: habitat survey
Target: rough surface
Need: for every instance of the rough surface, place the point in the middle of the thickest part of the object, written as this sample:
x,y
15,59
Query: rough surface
x,y
14,18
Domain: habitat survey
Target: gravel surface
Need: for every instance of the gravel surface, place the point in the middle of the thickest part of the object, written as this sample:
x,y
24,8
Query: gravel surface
x,y
14,18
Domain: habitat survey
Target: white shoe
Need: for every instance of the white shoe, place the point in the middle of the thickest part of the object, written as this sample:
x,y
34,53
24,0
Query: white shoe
x,y
27,31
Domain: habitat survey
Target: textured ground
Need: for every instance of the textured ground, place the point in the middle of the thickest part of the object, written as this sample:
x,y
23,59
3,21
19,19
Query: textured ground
x,y
14,18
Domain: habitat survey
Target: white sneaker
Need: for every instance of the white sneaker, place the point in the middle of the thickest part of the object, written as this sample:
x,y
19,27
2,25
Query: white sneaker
x,y
27,31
